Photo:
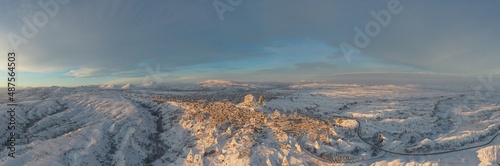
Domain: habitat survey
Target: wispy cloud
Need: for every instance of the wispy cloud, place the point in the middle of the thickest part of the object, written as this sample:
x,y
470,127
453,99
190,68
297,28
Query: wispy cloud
x,y
117,38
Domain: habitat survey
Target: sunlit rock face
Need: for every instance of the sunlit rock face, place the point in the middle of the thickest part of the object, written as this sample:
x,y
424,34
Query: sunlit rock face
x,y
248,101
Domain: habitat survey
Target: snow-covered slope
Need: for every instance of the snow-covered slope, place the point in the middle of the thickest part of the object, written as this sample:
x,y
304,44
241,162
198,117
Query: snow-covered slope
x,y
311,124
109,86
225,84
127,86
211,83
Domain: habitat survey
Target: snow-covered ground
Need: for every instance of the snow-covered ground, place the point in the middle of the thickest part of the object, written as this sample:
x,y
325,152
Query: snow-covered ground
x,y
294,124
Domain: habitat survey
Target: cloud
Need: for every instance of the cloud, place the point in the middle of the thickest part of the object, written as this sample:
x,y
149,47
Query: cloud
x,y
423,78
118,35
315,66
459,38
87,72
299,71
112,38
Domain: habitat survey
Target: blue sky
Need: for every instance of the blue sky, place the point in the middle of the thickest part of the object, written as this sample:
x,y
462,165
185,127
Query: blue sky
x,y
116,41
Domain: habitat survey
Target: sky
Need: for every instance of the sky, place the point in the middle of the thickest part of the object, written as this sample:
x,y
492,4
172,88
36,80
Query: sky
x,y
73,43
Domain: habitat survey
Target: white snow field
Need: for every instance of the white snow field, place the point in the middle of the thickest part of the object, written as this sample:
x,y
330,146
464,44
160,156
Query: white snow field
x,y
218,123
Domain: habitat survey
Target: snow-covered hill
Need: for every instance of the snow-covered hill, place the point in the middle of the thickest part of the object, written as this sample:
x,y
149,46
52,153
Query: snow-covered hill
x,y
225,84
303,124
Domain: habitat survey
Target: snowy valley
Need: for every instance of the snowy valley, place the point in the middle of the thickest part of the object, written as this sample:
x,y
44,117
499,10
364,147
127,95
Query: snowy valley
x,y
231,123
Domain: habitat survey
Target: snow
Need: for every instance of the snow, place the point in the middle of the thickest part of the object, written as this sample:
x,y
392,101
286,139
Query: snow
x,y
210,83
489,155
127,86
212,123
109,86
